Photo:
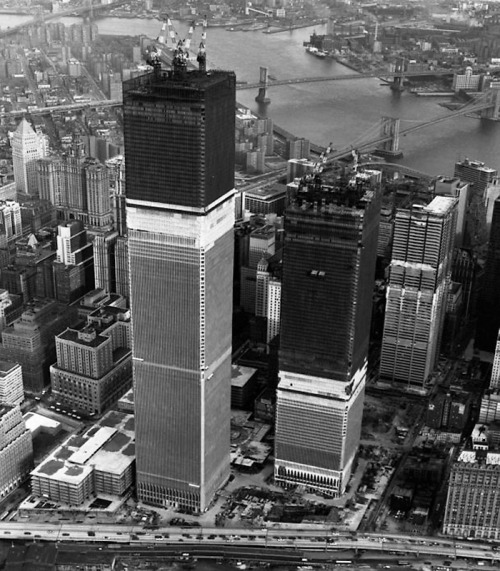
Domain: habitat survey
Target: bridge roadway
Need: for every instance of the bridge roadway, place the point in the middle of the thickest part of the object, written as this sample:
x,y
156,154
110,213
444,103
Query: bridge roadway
x,y
383,74
70,12
305,538
373,143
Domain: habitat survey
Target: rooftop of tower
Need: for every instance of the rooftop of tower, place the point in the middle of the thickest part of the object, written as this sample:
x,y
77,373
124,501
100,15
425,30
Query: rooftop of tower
x,y
156,82
312,196
87,336
477,165
6,367
24,128
438,206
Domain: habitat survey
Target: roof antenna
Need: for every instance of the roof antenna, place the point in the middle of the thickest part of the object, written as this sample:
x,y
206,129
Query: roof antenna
x,y
202,54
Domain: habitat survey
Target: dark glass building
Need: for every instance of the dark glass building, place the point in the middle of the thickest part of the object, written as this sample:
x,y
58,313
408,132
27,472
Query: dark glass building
x,y
179,159
181,130
328,276
488,322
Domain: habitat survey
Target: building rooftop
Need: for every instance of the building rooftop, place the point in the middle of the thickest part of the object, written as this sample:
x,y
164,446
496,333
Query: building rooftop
x,y
24,128
191,81
479,457
107,447
35,422
264,231
440,205
87,336
92,445
268,192
6,367
241,375
312,197
478,165
128,396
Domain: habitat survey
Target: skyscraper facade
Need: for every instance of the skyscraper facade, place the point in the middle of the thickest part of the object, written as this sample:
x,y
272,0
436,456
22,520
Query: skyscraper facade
x,y
74,268
27,147
16,449
489,298
490,401
179,164
416,294
78,187
479,177
328,276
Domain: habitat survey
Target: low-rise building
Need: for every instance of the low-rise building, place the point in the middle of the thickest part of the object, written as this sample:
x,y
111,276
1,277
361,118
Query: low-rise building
x,y
473,500
101,461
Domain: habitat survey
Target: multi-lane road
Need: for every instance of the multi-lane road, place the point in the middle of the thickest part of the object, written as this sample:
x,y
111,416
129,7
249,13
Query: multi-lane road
x,y
272,537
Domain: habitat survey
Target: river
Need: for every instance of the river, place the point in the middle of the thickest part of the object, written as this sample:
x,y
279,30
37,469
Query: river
x,y
339,112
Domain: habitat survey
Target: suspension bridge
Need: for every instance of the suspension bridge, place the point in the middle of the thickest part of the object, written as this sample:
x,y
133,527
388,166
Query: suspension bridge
x,y
487,105
395,78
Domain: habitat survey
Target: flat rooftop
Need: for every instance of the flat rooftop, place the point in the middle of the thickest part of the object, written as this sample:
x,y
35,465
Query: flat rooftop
x,y
77,337
168,80
93,444
440,205
313,199
128,397
35,421
241,375
268,192
477,165
108,447
6,367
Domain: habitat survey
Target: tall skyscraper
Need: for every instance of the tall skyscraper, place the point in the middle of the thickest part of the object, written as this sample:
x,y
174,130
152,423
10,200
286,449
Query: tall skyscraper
x,y
262,245
78,187
74,268
104,251
489,298
179,164
479,177
16,448
27,147
329,260
490,401
416,294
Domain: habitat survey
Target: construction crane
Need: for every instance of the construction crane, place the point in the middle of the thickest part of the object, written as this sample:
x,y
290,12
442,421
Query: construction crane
x,y
169,39
319,165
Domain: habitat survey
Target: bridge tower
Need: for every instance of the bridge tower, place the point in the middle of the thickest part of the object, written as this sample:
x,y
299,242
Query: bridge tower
x,y
389,127
264,83
493,98
397,83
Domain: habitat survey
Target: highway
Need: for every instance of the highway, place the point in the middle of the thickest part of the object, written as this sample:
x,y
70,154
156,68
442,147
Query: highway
x,y
299,538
